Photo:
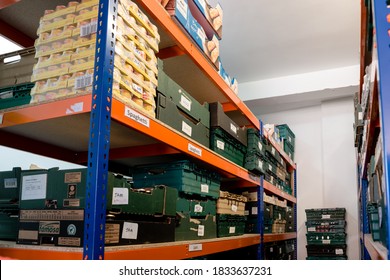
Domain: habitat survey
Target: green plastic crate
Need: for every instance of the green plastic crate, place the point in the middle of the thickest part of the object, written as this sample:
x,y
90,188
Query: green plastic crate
x,y
327,258
17,95
382,213
288,150
326,226
9,224
286,133
255,163
156,201
224,144
230,225
184,175
188,228
10,187
326,238
325,214
326,250
256,143
195,207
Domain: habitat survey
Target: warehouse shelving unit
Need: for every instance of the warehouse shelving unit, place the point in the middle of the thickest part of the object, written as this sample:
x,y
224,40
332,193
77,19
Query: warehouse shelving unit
x,y
376,13
99,130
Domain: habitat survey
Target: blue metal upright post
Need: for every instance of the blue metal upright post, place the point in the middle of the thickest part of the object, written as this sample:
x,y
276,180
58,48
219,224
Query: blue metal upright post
x,y
99,138
260,206
382,26
365,224
295,217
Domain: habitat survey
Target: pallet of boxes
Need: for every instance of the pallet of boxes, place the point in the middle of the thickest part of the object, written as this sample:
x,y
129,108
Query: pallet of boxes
x,y
326,236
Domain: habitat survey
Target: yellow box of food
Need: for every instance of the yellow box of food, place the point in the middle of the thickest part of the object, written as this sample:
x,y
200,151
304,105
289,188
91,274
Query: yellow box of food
x,y
60,11
86,4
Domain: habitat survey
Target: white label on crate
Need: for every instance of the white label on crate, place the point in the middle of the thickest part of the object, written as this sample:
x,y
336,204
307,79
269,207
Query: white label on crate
x,y
260,164
198,208
182,7
254,210
270,168
232,230
10,183
260,146
325,241
233,128
138,88
72,177
293,246
130,113
186,128
130,230
201,230
311,229
185,102
234,208
120,196
220,145
204,188
1,118
195,150
273,151
325,216
34,187
246,212
83,81
380,216
271,250
339,251
195,247
280,216
289,139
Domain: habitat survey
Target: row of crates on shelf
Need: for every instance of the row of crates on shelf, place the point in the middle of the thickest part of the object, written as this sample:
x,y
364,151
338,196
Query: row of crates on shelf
x,y
181,200
326,234
281,250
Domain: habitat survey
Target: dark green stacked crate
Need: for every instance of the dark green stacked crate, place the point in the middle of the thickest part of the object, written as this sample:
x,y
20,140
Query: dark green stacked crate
x,y
15,95
227,138
254,158
281,250
288,138
179,110
326,236
198,189
9,203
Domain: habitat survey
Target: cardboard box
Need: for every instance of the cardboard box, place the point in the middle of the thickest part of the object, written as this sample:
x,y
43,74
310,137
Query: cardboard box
x,y
213,16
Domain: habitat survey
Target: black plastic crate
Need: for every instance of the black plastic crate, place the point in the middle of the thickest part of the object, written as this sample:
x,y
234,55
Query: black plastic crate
x,y
327,250
325,214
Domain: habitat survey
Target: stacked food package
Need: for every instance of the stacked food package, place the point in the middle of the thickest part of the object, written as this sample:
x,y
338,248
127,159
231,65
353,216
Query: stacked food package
x,y
65,52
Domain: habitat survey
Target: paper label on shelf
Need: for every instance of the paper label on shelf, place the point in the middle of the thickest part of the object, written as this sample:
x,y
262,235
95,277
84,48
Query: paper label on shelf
x,y
75,108
138,88
130,113
220,145
130,230
120,196
325,216
325,241
234,208
1,118
182,7
186,128
311,229
254,210
233,128
232,230
195,247
198,208
34,187
204,188
185,102
260,146
201,230
339,251
10,183
195,150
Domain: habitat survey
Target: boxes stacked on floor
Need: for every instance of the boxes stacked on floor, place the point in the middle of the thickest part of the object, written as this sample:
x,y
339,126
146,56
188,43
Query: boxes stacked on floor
x,y
9,203
255,156
288,139
180,110
198,190
230,214
326,236
65,52
226,137
52,205
135,215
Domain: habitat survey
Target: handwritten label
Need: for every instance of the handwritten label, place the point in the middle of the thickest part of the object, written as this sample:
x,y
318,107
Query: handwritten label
x,y
185,102
34,187
204,188
195,150
220,145
232,230
186,128
130,113
120,196
130,230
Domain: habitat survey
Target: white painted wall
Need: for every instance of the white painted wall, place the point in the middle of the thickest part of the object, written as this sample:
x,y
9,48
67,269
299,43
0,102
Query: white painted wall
x,y
325,158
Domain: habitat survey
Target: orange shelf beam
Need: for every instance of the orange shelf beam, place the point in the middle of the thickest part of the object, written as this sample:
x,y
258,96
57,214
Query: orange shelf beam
x,y
158,13
272,237
163,133
38,253
268,186
45,111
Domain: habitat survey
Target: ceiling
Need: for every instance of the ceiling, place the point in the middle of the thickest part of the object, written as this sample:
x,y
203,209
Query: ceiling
x,y
261,39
